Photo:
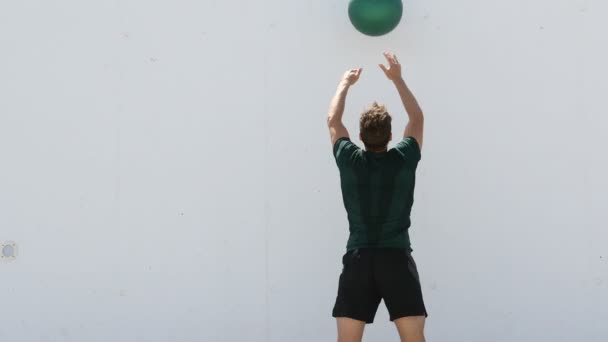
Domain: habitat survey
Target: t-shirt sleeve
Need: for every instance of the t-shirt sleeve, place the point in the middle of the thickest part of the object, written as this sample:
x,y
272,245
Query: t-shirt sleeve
x,y
409,149
344,149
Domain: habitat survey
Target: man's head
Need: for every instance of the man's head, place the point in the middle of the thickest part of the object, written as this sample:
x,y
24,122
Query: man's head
x,y
375,128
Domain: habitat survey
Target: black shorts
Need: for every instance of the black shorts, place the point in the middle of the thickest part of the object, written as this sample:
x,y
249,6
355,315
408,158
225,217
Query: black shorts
x,y
370,275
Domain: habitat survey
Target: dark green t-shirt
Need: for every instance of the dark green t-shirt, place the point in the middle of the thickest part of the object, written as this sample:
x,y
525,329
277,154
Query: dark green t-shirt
x,y
378,192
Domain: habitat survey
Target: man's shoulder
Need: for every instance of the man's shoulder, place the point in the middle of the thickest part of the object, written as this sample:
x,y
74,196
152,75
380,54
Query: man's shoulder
x,y
345,148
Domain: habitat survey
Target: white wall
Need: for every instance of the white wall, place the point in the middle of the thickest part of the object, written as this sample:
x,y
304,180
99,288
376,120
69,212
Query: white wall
x,y
167,174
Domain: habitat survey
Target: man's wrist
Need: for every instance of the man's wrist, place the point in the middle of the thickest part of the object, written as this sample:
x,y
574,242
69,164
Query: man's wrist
x,y
344,84
399,81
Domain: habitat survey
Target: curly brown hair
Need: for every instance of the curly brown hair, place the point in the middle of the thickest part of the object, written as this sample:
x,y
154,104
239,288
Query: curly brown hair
x,y
375,127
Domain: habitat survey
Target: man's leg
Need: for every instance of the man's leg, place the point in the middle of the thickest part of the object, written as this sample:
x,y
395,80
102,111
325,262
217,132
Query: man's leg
x,y
350,330
411,329
358,298
399,285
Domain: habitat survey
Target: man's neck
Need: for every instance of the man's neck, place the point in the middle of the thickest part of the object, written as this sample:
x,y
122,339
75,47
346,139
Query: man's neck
x,y
384,150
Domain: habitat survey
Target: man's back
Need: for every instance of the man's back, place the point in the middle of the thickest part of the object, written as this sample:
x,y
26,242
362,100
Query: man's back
x,y
378,192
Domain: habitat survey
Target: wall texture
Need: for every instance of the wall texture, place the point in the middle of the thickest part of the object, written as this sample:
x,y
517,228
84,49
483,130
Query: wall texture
x,y
167,174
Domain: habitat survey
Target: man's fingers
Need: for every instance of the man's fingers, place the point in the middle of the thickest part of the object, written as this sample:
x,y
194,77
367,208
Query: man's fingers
x,y
394,59
391,57
388,58
383,68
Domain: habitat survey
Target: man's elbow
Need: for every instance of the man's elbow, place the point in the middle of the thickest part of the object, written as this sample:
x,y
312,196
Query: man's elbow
x,y
331,121
417,118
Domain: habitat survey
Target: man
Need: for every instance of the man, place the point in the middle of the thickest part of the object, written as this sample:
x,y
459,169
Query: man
x,y
377,190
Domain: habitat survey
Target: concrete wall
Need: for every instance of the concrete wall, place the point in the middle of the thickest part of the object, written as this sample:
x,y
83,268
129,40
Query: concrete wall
x,y
166,171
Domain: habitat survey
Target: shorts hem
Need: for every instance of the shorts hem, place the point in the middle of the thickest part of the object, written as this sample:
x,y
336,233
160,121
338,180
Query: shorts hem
x,y
412,314
367,321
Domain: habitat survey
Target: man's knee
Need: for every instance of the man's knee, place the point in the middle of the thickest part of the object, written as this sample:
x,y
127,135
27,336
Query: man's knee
x,y
413,339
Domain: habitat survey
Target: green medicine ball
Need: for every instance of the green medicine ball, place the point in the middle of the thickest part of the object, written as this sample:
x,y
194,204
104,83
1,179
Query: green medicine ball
x,y
375,17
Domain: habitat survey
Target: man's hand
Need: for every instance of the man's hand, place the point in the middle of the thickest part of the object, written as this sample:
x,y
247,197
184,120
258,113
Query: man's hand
x,y
393,72
352,76
415,126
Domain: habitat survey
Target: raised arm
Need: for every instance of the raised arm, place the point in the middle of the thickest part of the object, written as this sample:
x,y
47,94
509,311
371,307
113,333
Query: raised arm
x,y
336,109
415,126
